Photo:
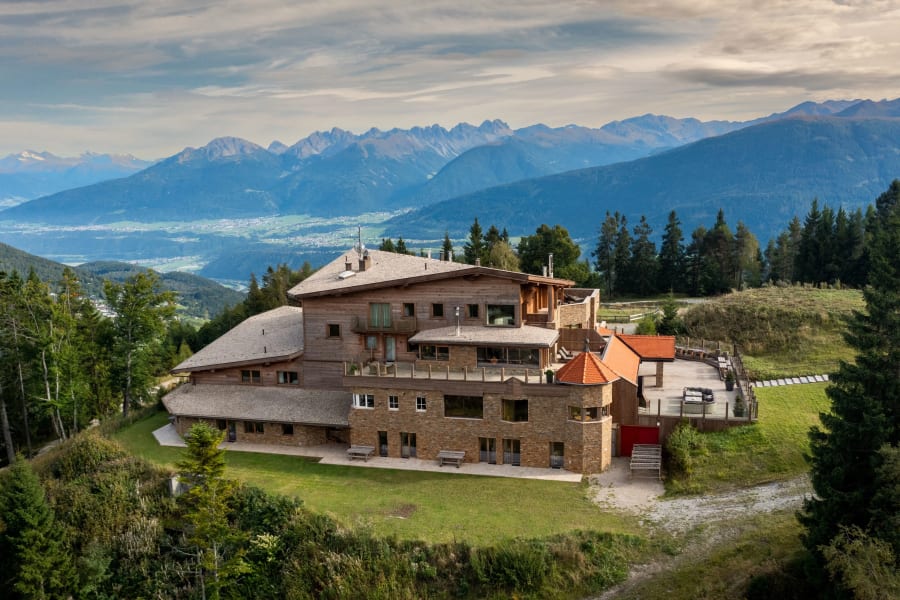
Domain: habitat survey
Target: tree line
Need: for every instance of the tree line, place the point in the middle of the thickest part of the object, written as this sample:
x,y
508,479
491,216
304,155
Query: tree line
x,y
828,247
66,360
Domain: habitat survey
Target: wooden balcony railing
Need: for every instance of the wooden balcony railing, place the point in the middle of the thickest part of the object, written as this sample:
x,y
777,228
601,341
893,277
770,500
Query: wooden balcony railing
x,y
397,325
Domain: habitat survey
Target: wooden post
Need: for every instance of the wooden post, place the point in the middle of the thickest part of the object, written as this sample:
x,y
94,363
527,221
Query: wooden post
x,y
502,374
658,408
482,374
465,372
448,372
412,371
429,370
681,414
726,412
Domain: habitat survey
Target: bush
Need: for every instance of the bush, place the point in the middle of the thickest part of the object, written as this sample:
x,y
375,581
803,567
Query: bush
x,y
682,446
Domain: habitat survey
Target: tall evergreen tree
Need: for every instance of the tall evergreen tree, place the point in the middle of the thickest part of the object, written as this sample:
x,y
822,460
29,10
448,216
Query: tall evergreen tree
x,y
491,238
622,258
671,256
474,248
35,563
387,245
718,257
747,258
808,265
401,246
605,252
447,247
643,266
848,452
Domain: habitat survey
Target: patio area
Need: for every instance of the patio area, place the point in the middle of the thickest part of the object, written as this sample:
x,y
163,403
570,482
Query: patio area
x,y
336,454
680,374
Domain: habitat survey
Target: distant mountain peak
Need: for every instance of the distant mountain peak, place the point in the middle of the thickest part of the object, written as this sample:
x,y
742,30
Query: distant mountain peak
x,y
221,148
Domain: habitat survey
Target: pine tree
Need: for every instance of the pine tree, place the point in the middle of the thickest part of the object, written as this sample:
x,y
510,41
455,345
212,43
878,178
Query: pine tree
x,y
35,563
622,258
848,452
401,247
447,248
643,264
605,252
474,248
671,256
808,267
387,245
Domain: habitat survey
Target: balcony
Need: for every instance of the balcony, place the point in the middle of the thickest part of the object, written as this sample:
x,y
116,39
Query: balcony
x,y
405,325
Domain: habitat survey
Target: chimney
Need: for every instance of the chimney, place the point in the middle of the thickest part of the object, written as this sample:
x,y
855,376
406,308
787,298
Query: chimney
x,y
477,262
365,262
348,266
428,254
450,257
550,264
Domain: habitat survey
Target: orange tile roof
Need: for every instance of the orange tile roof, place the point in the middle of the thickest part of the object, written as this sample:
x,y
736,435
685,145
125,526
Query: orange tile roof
x,y
651,347
622,359
585,369
604,331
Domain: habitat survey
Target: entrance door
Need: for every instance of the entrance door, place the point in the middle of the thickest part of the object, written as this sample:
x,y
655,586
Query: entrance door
x,y
512,454
557,455
232,431
382,443
390,349
488,450
407,445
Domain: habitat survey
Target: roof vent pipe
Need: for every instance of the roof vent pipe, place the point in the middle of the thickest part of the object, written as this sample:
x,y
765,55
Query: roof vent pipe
x,y
348,266
545,270
587,344
550,264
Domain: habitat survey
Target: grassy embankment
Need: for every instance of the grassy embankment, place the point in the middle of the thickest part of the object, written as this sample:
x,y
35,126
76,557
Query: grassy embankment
x,y
782,331
437,507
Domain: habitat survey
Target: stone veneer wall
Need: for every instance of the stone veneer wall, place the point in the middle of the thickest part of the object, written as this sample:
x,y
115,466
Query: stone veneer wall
x,y
304,435
587,446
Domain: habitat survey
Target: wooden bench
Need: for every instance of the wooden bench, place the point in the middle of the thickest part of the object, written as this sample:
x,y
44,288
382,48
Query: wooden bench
x,y
564,355
646,457
451,456
363,452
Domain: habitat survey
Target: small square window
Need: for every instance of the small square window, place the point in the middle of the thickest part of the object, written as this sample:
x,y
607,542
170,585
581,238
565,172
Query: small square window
x,y
409,309
248,376
472,311
253,427
437,310
394,402
287,429
334,330
420,403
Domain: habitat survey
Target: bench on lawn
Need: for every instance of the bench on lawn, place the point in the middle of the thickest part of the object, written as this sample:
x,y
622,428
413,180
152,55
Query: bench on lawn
x,y
646,457
451,457
363,452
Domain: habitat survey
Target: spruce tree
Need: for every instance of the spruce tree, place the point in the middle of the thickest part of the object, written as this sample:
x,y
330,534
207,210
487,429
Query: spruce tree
x,y
605,252
847,454
475,247
35,563
643,260
447,247
671,256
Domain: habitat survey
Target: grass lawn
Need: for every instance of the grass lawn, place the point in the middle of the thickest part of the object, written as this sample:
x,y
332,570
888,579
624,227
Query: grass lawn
x,y
436,507
819,355
769,450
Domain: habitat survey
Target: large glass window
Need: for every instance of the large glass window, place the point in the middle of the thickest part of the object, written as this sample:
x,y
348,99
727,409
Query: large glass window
x,y
513,356
380,315
407,445
515,410
501,314
464,407
427,352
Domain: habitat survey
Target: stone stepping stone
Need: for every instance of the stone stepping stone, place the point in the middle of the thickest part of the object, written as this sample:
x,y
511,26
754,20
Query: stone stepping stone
x,y
825,376
820,378
795,380
781,382
804,379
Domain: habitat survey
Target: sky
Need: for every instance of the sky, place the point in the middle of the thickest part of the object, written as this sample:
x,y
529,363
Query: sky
x,y
151,77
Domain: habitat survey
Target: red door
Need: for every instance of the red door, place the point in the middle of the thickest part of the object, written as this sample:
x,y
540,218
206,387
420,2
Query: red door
x,y
635,434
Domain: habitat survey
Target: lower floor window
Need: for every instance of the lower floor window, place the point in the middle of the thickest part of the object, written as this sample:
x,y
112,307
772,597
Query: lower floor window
x,y
287,429
420,403
253,427
288,377
557,455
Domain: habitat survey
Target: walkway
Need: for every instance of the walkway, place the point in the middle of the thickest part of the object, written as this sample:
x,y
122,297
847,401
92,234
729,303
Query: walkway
x,y
335,454
791,381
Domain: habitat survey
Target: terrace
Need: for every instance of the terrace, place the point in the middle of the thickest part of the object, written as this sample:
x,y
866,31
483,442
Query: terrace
x,y
669,400
492,374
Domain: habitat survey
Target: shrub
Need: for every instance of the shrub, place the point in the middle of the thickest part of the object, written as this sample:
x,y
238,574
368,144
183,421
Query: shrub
x,y
683,445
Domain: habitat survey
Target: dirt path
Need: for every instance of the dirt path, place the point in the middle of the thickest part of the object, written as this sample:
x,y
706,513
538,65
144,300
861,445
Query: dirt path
x,y
640,495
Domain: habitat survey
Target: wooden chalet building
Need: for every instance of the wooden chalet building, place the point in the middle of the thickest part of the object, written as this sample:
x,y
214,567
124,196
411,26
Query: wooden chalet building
x,y
413,356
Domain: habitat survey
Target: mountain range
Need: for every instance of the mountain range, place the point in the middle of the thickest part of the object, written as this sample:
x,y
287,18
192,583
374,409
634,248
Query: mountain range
x,y
29,174
761,171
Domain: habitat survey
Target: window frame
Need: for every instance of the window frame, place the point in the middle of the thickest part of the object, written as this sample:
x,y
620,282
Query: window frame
x,y
393,402
472,311
364,401
251,376
441,353
421,403
509,320
437,310
330,330
288,377
287,429
511,407
454,398
409,309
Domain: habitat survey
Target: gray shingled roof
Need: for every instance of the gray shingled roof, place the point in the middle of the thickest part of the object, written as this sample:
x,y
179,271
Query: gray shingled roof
x,y
274,335
281,404
387,268
526,336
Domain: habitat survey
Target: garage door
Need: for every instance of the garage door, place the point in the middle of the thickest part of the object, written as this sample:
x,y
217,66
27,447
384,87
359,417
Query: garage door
x,y
635,434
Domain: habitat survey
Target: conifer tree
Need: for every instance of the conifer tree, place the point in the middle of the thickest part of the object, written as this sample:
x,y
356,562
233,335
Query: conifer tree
x,y
35,563
605,252
643,260
671,256
848,452
387,245
474,248
447,247
401,247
